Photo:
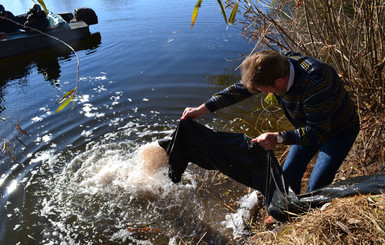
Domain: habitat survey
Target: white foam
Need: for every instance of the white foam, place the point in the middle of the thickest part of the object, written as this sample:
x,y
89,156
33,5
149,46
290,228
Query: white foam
x,y
84,98
103,77
237,221
124,236
146,170
100,89
86,134
111,184
88,110
37,119
46,138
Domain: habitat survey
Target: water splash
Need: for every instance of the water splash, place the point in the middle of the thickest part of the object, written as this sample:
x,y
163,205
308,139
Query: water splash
x,y
108,191
117,191
144,171
114,190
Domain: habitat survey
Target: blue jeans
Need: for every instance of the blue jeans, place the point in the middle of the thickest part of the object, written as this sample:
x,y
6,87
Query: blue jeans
x,y
331,155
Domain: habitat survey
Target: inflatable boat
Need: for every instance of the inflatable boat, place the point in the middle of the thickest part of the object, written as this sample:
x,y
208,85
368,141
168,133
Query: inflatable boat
x,y
67,27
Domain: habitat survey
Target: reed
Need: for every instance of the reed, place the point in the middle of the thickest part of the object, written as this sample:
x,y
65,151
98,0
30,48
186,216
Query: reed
x,y
350,35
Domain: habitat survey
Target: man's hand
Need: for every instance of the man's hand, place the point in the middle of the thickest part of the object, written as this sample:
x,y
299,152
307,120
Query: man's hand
x,y
194,112
267,140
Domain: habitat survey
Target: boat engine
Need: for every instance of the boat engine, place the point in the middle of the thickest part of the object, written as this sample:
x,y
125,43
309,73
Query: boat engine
x,y
87,15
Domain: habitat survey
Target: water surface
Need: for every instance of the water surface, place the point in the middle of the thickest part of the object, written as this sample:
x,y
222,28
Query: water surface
x,y
81,176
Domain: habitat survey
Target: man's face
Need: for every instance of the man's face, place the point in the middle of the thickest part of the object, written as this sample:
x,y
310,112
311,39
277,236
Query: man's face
x,y
279,88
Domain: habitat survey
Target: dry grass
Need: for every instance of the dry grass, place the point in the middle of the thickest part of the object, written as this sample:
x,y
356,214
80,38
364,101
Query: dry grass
x,y
354,220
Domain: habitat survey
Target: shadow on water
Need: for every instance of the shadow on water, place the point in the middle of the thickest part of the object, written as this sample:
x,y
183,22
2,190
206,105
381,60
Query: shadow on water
x,y
46,61
17,69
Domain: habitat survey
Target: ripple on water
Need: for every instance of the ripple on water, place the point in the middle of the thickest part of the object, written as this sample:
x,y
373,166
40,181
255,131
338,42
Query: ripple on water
x,y
118,191
114,187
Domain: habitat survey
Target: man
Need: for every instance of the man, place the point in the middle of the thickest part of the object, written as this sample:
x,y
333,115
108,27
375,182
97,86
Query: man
x,y
314,100
36,18
5,25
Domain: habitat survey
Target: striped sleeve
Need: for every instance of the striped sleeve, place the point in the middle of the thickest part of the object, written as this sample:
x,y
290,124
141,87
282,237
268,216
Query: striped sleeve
x,y
229,96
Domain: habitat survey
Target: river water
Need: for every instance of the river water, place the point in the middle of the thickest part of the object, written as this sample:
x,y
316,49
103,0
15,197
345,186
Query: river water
x,y
93,174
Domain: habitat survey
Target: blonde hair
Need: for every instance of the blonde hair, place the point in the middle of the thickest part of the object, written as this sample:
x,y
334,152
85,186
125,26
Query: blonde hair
x,y
262,69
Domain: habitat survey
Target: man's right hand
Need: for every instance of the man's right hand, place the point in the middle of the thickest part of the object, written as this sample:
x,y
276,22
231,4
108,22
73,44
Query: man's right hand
x,y
194,112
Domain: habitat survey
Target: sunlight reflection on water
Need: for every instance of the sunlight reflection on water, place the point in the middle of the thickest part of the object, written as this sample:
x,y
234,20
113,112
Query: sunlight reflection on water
x,y
82,176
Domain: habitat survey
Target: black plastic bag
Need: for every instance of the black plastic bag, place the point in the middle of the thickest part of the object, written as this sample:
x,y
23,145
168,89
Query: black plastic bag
x,y
236,156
